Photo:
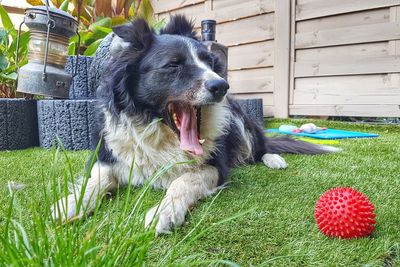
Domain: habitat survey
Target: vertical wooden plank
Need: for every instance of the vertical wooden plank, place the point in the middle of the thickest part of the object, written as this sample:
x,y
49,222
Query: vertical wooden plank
x,y
282,58
394,46
208,6
293,30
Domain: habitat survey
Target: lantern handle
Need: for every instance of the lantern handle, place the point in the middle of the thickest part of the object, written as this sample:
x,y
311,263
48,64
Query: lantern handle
x,y
50,23
17,48
79,39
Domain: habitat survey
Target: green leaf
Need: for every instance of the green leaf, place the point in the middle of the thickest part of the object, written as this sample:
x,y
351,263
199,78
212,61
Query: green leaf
x,y
103,29
23,45
3,62
104,22
64,5
13,33
145,11
87,37
74,38
118,20
56,3
3,37
24,38
10,76
157,26
12,68
100,32
71,48
35,2
91,50
5,19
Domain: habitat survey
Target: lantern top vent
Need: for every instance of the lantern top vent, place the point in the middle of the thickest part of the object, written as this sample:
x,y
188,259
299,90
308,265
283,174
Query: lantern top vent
x,y
64,24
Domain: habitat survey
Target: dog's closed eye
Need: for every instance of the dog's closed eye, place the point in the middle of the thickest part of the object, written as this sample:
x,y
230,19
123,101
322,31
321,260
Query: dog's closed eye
x,y
174,63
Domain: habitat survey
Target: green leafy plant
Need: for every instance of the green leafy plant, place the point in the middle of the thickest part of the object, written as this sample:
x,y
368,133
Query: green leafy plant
x,y
105,16
8,46
97,18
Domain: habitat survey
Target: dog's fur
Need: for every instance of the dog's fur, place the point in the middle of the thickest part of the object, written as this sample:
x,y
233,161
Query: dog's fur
x,y
146,73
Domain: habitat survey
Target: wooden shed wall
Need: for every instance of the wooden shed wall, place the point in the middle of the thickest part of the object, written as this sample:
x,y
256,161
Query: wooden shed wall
x,y
248,28
345,58
307,57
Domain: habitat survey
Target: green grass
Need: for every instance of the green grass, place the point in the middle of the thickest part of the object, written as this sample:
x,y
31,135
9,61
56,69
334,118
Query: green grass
x,y
276,229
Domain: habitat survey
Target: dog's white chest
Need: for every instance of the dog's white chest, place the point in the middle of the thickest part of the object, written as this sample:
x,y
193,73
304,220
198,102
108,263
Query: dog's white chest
x,y
150,152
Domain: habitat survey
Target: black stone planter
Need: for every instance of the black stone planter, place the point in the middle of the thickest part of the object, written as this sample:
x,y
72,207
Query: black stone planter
x,y
72,121
80,83
18,124
253,108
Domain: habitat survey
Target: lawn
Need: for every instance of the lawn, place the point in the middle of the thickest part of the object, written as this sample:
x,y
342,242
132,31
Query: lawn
x,y
275,226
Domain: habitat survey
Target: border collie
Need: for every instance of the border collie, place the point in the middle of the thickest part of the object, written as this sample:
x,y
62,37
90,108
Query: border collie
x,y
162,101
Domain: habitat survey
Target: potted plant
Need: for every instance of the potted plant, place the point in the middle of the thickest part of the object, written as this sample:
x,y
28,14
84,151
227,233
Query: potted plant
x,y
18,116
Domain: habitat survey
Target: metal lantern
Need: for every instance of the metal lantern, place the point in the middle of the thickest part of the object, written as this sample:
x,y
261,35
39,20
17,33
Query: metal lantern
x,y
208,38
50,30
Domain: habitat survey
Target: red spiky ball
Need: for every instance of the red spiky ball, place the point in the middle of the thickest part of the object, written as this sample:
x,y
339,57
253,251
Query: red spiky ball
x,y
345,213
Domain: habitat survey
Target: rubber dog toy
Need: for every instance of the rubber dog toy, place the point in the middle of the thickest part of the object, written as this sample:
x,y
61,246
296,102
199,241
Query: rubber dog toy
x,y
344,212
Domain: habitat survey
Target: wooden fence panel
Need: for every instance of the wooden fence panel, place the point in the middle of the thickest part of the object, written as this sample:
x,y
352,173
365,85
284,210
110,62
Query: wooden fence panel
x,y
248,29
354,52
254,55
258,29
307,57
160,6
323,8
349,35
347,20
345,60
260,80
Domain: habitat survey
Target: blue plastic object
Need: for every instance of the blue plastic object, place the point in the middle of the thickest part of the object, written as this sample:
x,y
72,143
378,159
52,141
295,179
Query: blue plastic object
x,y
327,134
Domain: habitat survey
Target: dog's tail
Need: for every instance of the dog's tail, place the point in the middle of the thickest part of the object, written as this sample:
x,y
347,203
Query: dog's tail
x,y
278,145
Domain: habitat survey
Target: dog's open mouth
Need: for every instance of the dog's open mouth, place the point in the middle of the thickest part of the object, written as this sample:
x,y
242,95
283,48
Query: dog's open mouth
x,y
186,120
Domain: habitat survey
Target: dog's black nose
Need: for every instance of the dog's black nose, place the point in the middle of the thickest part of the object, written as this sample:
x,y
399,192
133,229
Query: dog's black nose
x,y
217,87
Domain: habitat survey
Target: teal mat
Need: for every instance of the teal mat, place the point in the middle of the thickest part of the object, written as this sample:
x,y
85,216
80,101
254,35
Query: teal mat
x,y
328,134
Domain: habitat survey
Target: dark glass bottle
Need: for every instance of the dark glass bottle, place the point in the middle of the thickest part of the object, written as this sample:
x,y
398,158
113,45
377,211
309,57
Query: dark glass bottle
x,y
208,38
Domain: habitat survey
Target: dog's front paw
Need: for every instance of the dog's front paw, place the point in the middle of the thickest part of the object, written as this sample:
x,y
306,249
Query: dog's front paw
x,y
167,217
65,209
274,161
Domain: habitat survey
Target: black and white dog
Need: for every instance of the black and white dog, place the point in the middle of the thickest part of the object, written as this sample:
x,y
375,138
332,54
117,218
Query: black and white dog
x,y
163,101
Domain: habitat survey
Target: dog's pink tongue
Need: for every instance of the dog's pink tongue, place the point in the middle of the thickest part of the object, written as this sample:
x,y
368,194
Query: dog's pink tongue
x,y
188,132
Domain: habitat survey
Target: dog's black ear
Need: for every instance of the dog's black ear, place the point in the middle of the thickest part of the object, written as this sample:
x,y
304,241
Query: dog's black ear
x,y
137,32
180,25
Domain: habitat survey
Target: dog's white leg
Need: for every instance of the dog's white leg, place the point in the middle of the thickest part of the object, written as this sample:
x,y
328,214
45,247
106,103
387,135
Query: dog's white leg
x,y
100,181
182,194
274,161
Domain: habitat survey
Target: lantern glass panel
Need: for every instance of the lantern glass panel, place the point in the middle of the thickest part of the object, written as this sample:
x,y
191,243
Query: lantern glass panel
x,y
57,51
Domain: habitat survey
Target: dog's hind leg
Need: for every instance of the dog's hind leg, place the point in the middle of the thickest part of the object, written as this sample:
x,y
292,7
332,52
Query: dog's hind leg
x,y
182,194
84,197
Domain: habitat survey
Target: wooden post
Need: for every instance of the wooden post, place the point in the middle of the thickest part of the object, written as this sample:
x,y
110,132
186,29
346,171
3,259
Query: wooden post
x,y
282,58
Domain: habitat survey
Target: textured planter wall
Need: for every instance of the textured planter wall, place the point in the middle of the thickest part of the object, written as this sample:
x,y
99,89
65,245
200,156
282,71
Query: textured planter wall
x,y
80,83
100,60
18,124
72,121
253,108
